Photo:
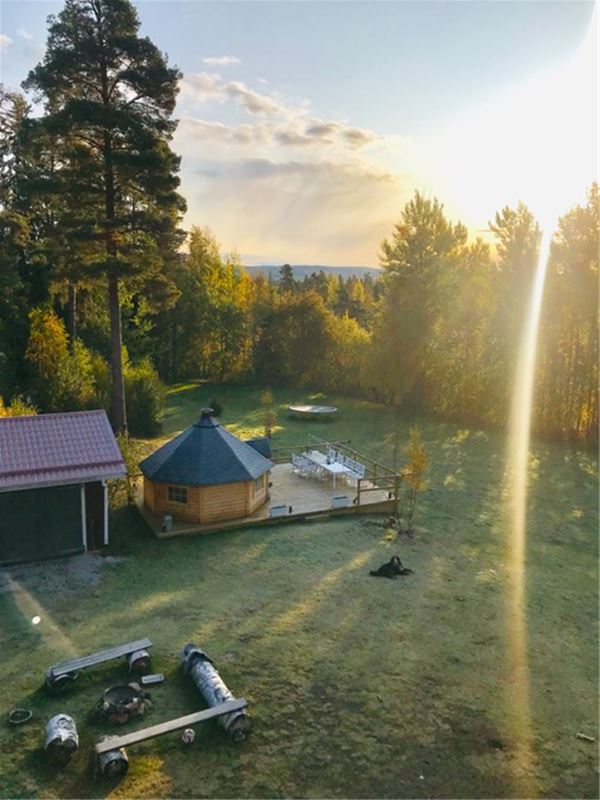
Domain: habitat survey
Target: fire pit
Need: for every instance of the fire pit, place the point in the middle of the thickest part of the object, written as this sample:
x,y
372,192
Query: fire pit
x,y
119,703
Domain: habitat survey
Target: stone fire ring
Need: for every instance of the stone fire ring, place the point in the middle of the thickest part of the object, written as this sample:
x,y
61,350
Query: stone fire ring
x,y
119,703
19,715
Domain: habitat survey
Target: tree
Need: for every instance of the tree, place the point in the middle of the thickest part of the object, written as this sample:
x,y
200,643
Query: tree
x,y
109,95
269,415
567,394
422,251
414,473
209,328
287,282
62,378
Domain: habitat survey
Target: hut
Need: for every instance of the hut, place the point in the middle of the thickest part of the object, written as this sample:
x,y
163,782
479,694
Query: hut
x,y
206,474
54,470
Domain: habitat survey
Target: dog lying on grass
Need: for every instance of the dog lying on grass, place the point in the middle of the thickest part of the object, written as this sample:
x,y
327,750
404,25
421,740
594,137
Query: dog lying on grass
x,y
393,567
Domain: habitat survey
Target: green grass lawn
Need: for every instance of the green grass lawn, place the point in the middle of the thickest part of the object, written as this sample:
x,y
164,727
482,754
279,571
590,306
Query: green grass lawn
x,y
357,687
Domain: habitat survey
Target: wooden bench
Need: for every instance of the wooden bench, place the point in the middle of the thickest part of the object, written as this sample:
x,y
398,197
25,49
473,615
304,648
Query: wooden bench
x,y
111,759
67,671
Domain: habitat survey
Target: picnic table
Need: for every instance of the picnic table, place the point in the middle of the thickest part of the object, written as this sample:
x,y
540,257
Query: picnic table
x,y
334,468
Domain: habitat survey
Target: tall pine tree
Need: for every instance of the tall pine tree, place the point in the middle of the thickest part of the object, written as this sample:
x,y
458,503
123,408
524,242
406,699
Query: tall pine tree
x,y
109,95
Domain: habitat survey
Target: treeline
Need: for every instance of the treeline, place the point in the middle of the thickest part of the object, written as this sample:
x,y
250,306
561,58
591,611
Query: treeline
x,y
103,297
438,333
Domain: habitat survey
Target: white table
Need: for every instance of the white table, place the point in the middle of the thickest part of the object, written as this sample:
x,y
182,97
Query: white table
x,y
334,468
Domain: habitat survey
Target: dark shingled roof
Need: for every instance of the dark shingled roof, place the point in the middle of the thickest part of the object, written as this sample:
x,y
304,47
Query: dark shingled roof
x,y
57,449
262,445
205,454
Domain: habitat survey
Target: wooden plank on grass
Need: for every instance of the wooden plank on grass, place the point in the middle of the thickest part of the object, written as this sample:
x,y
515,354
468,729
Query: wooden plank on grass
x,y
115,742
100,656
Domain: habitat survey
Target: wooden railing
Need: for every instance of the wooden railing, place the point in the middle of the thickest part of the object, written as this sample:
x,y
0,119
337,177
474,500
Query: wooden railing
x,y
378,476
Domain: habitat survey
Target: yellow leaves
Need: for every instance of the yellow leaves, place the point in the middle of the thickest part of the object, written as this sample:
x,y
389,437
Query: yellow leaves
x,y
17,408
416,468
48,342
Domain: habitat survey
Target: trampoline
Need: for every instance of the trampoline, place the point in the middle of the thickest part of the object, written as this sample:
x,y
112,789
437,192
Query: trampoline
x,y
312,412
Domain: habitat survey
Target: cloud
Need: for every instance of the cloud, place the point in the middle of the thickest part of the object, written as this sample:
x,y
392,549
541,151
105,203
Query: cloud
x,y
284,182
302,211
5,42
221,61
279,133
206,86
294,128
219,133
330,131
24,34
253,102
261,168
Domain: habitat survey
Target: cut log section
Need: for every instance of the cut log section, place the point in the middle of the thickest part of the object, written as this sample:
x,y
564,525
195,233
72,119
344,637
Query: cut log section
x,y
61,739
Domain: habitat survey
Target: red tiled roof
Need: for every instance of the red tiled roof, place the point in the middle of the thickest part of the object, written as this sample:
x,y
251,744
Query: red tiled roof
x,y
50,449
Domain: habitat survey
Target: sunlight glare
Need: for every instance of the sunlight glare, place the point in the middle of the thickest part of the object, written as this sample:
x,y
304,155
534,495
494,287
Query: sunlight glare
x,y
534,142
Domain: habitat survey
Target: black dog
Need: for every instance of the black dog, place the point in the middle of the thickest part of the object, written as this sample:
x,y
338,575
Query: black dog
x,y
391,569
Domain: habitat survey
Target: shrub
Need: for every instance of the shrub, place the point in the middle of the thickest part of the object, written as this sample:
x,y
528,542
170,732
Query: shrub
x,y
18,407
102,381
62,378
269,415
122,491
145,395
216,407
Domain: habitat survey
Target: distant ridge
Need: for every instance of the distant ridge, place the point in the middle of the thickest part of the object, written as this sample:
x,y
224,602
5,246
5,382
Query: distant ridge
x,y
302,271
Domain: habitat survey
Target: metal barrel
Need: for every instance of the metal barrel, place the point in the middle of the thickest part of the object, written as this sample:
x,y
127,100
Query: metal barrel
x,y
61,739
139,661
113,764
204,674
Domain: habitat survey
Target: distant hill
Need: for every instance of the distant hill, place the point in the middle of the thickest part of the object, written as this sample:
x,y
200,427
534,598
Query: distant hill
x,y
302,271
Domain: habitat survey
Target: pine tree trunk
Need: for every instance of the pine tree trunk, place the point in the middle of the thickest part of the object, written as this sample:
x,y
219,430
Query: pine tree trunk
x,y
118,413
117,397
72,315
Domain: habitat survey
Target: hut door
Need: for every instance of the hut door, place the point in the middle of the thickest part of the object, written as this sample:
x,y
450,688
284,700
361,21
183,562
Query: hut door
x,y
94,515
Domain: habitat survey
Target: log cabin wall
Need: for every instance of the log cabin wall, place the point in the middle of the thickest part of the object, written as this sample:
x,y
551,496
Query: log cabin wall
x,y
160,503
207,503
258,492
227,501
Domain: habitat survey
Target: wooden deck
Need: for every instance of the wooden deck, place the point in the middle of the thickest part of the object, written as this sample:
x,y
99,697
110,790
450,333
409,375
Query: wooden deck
x,y
307,496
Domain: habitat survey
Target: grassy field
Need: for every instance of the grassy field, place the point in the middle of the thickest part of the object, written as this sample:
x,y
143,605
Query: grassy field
x,y
357,687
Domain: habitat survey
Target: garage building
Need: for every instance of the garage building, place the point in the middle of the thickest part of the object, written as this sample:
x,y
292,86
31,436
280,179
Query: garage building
x,y
54,470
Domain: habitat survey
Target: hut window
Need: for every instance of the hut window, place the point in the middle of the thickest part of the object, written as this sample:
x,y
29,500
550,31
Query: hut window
x,y
177,494
258,484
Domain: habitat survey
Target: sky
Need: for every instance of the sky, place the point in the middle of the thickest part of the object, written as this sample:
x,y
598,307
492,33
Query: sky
x,y
304,127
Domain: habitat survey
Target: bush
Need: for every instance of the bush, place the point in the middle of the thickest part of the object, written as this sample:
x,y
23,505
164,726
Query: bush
x,y
122,491
62,379
145,395
18,407
102,381
216,407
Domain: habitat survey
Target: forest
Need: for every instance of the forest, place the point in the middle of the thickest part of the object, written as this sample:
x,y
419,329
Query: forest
x,y
105,298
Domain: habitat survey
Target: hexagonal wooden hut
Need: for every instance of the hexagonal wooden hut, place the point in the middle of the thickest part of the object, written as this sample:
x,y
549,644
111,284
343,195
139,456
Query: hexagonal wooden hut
x,y
206,474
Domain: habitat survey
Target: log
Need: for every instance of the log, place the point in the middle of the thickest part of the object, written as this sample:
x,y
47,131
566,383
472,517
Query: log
x,y
212,687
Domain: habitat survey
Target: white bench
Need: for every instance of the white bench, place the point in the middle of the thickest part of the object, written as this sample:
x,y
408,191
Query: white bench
x,y
340,501
278,511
